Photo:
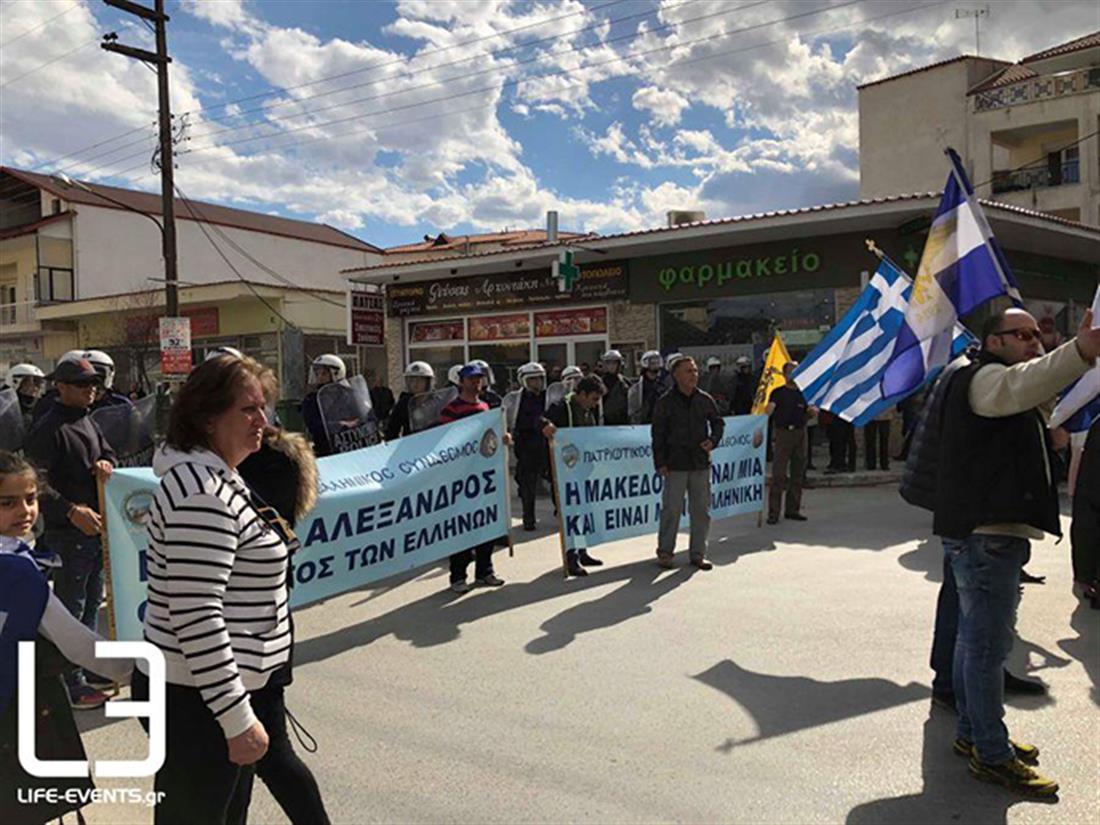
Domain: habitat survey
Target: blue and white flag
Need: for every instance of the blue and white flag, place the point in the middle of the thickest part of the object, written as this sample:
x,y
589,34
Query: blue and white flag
x,y
1079,405
843,373
962,267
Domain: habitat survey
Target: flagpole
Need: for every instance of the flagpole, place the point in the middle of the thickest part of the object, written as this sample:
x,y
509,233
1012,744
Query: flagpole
x,y
874,249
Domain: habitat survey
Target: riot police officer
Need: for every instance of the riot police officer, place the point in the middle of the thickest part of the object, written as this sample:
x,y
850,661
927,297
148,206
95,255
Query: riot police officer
x,y
654,383
418,380
530,443
615,403
27,380
325,369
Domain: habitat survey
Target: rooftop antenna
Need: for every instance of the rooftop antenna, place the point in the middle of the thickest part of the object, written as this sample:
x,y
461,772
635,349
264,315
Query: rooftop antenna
x,y
977,14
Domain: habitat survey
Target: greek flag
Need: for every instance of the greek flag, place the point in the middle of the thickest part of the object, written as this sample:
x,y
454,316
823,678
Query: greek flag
x,y
843,374
962,267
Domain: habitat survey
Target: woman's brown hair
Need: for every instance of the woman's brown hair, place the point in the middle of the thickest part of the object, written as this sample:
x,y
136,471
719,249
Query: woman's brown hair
x,y
210,391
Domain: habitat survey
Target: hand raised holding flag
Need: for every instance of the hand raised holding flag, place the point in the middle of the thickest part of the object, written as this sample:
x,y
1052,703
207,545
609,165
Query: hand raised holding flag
x,y
1088,338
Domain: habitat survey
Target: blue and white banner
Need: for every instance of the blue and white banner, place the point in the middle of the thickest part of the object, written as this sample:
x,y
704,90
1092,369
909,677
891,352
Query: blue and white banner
x,y
382,510
609,489
961,268
843,374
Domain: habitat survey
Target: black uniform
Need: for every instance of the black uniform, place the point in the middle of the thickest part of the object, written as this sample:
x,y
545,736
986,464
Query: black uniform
x,y
744,391
397,424
1085,531
531,451
615,405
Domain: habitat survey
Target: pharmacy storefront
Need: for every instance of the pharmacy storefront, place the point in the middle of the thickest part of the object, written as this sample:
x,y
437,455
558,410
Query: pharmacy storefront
x,y
508,319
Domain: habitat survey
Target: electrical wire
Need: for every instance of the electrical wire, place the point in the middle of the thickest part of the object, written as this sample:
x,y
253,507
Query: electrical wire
x,y
41,25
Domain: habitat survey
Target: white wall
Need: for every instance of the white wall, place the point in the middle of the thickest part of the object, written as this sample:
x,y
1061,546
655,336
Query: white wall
x,y
119,251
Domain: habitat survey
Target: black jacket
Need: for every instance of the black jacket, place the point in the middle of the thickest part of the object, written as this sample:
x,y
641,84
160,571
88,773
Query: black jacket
x,y
680,424
918,480
397,424
992,470
568,413
615,405
64,445
744,392
1085,531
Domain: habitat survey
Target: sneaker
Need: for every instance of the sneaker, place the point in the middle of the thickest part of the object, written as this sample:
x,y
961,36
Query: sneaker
x,y
1024,752
702,564
489,581
86,698
666,562
587,560
460,587
1014,775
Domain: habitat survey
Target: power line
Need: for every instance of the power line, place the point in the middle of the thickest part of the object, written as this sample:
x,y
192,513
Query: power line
x,y
41,66
235,271
274,90
495,69
41,25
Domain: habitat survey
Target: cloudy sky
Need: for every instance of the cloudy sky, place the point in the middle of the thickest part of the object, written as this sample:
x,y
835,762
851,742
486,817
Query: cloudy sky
x,y
396,119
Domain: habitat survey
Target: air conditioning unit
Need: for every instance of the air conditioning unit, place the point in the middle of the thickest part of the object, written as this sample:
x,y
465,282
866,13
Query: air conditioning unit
x,y
678,217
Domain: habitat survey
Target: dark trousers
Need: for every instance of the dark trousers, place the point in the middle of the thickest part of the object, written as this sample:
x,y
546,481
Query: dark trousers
x,y
842,445
482,556
79,581
528,475
811,431
788,470
947,627
287,777
876,444
199,782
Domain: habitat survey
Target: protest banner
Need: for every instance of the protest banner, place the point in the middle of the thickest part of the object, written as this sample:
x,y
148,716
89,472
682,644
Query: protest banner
x,y
609,489
382,510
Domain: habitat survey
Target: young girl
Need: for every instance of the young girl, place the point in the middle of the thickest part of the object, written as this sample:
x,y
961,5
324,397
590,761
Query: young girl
x,y
30,612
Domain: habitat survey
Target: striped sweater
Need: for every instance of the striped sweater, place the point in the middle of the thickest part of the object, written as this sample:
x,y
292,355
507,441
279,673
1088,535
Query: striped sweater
x,y
218,598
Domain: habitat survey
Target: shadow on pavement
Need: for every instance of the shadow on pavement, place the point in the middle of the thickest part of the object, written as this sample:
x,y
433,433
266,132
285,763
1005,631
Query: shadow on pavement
x,y
780,705
1086,647
949,794
927,558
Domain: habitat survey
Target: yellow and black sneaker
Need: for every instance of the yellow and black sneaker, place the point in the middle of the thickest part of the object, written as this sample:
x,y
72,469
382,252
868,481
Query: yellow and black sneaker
x,y
1016,776
1024,752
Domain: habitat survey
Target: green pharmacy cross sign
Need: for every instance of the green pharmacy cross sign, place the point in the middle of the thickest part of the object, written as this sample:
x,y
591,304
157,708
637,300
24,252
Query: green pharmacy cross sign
x,y
566,272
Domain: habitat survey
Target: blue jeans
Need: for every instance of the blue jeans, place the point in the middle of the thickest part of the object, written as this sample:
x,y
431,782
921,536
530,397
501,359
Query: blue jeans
x,y
79,581
987,575
947,629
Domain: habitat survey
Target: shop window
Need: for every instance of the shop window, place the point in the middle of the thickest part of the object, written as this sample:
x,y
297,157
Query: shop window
x,y
440,358
505,359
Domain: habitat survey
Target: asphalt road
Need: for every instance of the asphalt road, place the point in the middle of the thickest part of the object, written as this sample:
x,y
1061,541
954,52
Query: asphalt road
x,y
789,684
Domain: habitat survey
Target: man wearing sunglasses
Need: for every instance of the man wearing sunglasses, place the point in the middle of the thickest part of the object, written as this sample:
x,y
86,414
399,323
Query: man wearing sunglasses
x,y
995,492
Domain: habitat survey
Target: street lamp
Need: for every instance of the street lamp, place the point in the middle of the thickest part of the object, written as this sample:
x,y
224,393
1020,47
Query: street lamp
x,y
171,296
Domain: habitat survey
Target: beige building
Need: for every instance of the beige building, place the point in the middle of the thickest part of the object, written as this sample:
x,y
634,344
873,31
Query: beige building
x,y
1026,131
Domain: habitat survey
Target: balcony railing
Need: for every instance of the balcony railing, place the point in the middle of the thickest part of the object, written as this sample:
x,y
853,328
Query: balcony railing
x,y
16,315
1034,89
1022,180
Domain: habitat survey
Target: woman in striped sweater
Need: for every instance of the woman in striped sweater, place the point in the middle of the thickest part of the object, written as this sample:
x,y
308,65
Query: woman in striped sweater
x,y
218,595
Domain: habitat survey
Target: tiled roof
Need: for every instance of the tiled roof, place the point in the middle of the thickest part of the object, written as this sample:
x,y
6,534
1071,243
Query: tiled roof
x,y
150,203
1089,41
519,237
1005,77
740,219
930,66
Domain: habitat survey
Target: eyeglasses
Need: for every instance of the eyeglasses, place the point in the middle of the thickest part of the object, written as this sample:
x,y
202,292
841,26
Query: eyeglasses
x,y
1024,335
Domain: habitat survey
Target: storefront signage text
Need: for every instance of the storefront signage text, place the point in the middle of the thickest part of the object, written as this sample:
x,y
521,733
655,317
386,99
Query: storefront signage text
x,y
506,289
366,319
721,272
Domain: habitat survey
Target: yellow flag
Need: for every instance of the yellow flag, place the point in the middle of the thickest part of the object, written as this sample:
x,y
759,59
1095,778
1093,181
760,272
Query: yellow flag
x,y
772,376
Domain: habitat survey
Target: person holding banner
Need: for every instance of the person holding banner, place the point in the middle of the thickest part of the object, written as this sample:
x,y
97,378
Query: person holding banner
x,y
71,455
218,570
686,428
995,493
580,408
465,404
789,414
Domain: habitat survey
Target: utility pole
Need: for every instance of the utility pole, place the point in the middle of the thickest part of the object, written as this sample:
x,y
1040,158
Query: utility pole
x,y
977,14
160,61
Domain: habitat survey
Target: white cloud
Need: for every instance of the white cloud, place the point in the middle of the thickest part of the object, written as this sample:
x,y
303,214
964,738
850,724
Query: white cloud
x,y
664,105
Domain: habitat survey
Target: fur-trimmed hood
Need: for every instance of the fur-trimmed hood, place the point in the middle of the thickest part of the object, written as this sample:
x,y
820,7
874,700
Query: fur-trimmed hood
x,y
296,448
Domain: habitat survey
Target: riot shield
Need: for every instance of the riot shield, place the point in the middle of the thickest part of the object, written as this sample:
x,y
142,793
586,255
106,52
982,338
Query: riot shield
x,y
424,409
347,415
555,393
635,398
12,432
129,429
511,408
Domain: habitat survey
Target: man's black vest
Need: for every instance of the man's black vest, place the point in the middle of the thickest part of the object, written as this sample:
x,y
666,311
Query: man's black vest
x,y
992,470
